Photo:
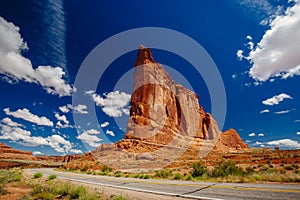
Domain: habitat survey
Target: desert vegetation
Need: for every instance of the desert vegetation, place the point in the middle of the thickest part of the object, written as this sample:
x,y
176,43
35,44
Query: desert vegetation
x,y
226,170
48,188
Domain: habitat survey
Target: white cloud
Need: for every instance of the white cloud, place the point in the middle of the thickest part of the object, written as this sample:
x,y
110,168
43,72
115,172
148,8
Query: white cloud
x,y
24,137
257,143
80,108
91,140
264,111
37,153
239,54
62,118
76,151
111,133
92,132
113,104
261,135
283,112
104,124
298,133
64,109
11,123
16,67
251,134
288,143
25,114
297,120
277,54
58,143
249,37
275,100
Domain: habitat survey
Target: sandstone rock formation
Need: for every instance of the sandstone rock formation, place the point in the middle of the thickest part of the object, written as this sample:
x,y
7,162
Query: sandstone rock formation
x,y
7,152
161,109
166,123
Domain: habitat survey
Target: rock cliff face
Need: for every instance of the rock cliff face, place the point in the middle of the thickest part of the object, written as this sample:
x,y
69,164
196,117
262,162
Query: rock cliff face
x,y
166,123
161,109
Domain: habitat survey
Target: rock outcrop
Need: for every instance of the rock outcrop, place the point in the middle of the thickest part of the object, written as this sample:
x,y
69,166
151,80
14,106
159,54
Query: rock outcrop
x,y
230,140
166,123
161,109
7,152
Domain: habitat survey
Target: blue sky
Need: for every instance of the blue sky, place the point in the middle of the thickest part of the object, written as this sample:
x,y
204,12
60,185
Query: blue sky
x,y
254,44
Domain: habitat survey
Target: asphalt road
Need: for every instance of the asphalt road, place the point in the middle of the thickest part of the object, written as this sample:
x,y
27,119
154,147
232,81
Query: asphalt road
x,y
185,189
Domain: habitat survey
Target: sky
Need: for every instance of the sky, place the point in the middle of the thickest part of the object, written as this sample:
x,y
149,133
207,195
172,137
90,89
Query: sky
x,y
45,44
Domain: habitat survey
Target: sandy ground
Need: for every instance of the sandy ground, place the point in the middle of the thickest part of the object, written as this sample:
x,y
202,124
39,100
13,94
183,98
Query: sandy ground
x,y
15,192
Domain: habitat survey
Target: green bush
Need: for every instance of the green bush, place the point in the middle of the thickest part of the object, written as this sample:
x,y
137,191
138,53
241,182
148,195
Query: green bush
x,y
198,169
146,176
226,168
189,178
77,192
37,175
288,167
51,177
178,176
249,170
119,197
165,173
106,168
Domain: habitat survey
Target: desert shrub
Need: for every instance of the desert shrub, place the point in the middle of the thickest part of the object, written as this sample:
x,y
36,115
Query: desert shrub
x,y
288,167
76,192
165,173
178,176
189,178
198,169
51,177
146,176
136,176
106,168
119,197
249,170
37,175
226,168
84,169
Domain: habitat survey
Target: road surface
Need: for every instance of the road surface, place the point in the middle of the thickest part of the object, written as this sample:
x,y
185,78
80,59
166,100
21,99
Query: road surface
x,y
185,189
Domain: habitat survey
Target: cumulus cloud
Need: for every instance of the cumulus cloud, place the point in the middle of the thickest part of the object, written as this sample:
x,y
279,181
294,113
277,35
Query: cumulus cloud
x,y
111,133
261,135
92,132
104,124
76,151
24,137
62,118
37,153
288,143
283,112
9,122
25,114
264,111
80,108
91,140
89,137
298,133
275,100
277,54
251,134
114,104
239,54
16,67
